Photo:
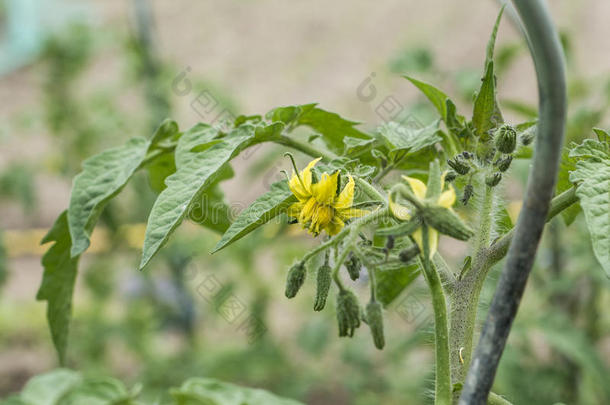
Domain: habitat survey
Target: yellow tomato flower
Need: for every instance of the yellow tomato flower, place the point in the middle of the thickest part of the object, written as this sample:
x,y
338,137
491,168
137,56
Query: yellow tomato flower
x,y
320,206
446,200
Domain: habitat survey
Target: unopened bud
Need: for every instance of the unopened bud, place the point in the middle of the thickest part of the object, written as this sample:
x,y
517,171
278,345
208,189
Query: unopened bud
x,y
506,139
468,193
348,313
323,279
353,266
459,164
446,222
295,279
493,179
389,243
374,318
450,176
408,254
504,163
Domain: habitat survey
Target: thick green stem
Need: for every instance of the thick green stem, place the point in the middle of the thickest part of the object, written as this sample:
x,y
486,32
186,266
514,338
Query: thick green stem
x,y
441,325
465,297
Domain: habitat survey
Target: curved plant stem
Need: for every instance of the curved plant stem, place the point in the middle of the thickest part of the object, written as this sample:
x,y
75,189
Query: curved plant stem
x,y
441,325
548,58
304,147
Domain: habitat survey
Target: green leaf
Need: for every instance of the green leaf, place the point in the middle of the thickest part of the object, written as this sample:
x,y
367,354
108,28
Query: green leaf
x,y
602,136
331,126
197,171
167,129
159,169
49,388
207,391
104,176
261,211
566,166
436,96
486,114
58,283
491,44
409,140
391,283
592,175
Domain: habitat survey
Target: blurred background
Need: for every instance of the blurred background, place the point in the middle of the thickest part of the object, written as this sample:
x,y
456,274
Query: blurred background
x,y
77,77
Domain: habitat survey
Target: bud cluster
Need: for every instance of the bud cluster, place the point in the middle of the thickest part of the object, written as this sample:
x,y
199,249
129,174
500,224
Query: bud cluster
x,y
353,266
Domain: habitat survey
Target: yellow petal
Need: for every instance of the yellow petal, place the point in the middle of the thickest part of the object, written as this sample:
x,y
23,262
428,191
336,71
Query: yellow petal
x,y
306,174
351,213
432,240
308,211
301,188
418,187
346,198
399,211
325,190
447,198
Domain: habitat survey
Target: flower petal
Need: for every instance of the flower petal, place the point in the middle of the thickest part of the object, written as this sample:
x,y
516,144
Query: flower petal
x,y
325,191
399,211
432,240
301,188
447,198
346,198
418,186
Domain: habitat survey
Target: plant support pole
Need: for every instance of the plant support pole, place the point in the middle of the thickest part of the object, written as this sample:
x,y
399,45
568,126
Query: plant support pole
x,y
550,69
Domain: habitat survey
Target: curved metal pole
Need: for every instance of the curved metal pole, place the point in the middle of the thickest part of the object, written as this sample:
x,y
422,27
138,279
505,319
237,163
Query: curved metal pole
x,y
548,59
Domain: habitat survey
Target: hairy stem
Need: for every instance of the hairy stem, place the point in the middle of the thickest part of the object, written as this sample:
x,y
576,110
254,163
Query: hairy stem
x,y
550,68
304,147
441,325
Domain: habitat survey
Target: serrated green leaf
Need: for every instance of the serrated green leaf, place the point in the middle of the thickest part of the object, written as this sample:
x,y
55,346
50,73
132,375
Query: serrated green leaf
x,y
592,175
207,391
391,283
98,391
331,126
104,176
400,138
57,284
196,172
436,96
49,388
261,211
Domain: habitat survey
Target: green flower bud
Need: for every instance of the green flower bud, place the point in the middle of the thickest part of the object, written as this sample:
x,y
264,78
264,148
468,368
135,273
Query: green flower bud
x,y
295,279
493,179
446,222
504,163
322,286
468,193
408,254
353,266
527,138
450,176
389,243
348,313
506,139
374,318
459,164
